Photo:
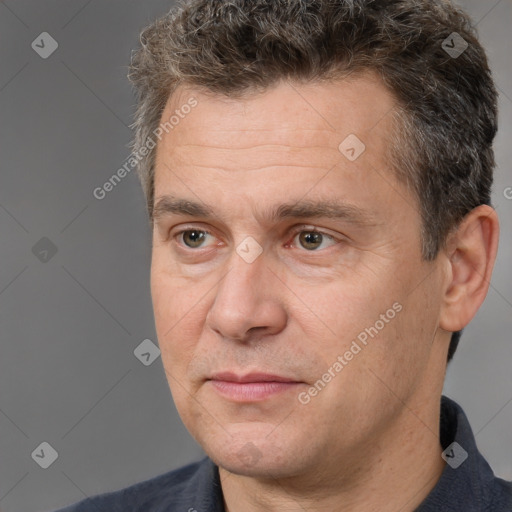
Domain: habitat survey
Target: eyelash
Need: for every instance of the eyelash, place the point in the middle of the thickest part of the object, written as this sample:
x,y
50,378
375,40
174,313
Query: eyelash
x,y
294,233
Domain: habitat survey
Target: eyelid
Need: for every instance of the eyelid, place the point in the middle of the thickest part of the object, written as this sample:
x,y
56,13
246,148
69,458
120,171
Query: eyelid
x,y
313,229
182,228
310,227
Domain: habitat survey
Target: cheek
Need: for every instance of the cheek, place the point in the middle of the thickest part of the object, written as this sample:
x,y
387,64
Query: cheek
x,y
174,298
395,360
419,324
178,319
370,317
348,306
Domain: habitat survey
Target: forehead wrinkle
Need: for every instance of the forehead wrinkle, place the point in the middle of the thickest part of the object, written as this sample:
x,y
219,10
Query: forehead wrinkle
x,y
250,157
242,135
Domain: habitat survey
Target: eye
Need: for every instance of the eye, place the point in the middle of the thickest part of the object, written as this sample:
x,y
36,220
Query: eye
x,y
312,240
193,238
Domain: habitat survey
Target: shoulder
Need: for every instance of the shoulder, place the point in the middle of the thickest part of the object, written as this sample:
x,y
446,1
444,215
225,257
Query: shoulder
x,y
177,487
502,496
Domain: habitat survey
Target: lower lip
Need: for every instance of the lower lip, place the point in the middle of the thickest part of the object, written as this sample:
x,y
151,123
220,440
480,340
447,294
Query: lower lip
x,y
251,391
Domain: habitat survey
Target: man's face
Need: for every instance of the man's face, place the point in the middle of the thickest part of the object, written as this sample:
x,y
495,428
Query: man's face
x,y
248,280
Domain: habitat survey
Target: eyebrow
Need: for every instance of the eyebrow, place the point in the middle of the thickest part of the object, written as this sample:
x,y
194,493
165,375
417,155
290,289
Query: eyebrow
x,y
302,209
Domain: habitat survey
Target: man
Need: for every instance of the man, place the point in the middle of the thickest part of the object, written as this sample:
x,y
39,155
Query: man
x,y
318,179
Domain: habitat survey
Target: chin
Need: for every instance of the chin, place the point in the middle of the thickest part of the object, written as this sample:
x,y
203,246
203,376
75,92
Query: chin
x,y
255,448
261,467
257,459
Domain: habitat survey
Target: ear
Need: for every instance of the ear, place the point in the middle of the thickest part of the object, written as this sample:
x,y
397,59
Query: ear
x,y
471,251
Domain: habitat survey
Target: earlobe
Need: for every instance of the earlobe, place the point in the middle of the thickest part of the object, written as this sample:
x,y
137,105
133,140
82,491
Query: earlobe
x,y
471,253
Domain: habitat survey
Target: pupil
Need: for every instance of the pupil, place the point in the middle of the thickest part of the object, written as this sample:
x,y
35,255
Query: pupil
x,y
195,237
310,238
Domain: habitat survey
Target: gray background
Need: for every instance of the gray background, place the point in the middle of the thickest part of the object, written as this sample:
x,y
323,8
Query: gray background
x,y
69,326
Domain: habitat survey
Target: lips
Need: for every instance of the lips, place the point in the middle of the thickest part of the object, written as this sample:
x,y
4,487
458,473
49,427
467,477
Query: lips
x,y
250,377
253,387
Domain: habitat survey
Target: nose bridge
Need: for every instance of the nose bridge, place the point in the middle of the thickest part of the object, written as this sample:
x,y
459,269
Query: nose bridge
x,y
241,285
244,299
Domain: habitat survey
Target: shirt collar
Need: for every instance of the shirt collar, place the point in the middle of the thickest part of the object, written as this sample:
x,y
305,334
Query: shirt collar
x,y
467,481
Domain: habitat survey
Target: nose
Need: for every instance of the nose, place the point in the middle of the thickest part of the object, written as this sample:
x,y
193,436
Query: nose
x,y
248,302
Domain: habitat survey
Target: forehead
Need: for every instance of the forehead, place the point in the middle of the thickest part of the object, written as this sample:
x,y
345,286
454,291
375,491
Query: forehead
x,y
279,144
246,159
302,122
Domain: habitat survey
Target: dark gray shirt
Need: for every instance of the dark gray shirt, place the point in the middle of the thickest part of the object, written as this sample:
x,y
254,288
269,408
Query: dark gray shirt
x,y
467,483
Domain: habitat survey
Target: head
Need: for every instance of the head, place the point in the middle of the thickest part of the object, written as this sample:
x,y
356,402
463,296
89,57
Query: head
x,y
350,121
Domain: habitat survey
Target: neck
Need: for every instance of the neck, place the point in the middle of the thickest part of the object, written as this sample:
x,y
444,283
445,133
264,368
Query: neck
x,y
397,471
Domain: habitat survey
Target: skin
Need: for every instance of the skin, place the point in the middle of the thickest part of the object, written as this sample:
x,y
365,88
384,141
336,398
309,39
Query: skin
x,y
368,441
